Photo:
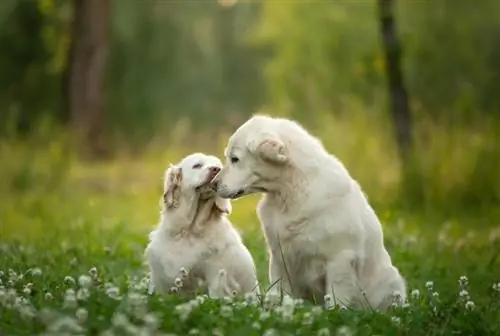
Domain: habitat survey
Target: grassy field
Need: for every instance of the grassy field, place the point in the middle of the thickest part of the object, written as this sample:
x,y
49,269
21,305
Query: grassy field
x,y
73,236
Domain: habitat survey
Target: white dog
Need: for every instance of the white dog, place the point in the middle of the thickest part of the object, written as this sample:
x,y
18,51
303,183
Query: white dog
x,y
324,239
194,242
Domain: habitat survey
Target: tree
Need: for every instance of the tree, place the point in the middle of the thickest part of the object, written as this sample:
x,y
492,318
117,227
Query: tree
x,y
83,82
400,109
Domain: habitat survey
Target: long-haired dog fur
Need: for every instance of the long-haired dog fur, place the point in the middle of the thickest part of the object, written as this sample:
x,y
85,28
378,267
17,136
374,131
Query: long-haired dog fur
x,y
195,246
324,238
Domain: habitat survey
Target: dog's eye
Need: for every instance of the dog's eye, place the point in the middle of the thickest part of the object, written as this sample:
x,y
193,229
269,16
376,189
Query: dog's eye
x,y
234,159
197,166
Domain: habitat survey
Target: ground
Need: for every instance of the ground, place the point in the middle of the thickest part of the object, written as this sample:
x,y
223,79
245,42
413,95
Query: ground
x,y
71,261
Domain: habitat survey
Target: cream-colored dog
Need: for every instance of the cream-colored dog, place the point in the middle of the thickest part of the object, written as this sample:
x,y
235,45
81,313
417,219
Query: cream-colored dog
x,y
195,238
324,239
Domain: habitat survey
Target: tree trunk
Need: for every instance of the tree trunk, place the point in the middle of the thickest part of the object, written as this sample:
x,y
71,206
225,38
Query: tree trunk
x,y
398,95
85,74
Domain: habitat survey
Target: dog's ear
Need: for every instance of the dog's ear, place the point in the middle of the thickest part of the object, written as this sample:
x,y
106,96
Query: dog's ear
x,y
270,149
224,205
172,187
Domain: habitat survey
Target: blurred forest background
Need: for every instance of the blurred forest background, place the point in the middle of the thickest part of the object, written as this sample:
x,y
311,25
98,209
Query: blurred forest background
x,y
131,77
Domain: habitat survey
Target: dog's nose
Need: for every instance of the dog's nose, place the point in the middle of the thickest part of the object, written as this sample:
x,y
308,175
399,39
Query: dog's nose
x,y
214,170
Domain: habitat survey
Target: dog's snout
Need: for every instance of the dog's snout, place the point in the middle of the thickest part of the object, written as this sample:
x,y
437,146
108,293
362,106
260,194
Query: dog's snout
x,y
214,170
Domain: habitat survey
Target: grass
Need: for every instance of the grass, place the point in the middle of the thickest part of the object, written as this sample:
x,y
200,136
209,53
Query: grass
x,y
73,236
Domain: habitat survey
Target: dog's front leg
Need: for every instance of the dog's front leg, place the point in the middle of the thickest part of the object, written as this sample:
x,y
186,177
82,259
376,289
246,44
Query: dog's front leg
x,y
341,279
278,281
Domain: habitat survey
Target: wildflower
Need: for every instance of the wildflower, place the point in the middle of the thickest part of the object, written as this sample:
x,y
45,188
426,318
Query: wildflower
x,y
329,302
113,292
415,294
226,311
227,299
469,305
463,281
82,294
73,261
120,320
82,315
151,321
463,294
26,290
317,310
193,331
69,299
271,298
344,331
178,282
324,332
251,298
184,310
93,272
396,320
107,250
435,295
429,285
49,296
264,315
307,318
496,287
69,280
270,332
406,304
64,325
174,290
256,325
36,272
12,275
217,332
84,281
184,272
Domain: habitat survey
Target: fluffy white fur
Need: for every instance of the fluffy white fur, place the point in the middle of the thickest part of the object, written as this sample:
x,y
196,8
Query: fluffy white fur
x,y
323,236
194,234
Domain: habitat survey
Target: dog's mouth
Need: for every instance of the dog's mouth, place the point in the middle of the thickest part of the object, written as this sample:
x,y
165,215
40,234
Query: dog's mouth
x,y
209,185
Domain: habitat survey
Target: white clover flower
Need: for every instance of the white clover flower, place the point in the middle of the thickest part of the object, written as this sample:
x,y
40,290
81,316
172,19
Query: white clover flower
x,y
82,314
151,321
82,294
217,332
463,294
317,310
113,292
26,290
396,320
84,281
119,320
184,272
415,294
65,325
271,298
429,285
496,287
226,311
435,295
405,305
463,281
184,310
307,318
1,274
270,332
201,298
193,331
178,282
12,275
69,280
256,325
323,332
70,299
36,271
93,272
469,305
264,316
227,300
174,290
251,298
344,331
48,296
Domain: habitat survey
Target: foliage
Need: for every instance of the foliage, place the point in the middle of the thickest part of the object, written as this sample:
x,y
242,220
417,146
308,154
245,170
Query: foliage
x,y
73,236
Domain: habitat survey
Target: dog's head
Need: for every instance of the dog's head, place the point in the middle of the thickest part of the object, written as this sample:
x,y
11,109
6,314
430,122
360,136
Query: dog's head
x,y
256,158
193,176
